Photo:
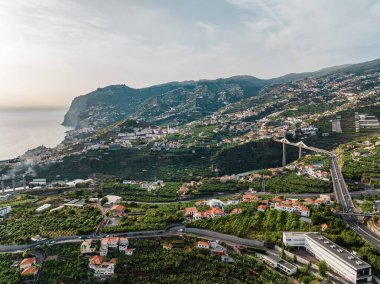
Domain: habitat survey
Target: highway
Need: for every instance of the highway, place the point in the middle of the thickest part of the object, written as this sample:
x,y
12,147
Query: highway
x,y
344,199
342,195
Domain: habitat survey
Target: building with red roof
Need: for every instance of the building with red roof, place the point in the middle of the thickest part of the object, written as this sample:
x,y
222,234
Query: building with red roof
x,y
27,262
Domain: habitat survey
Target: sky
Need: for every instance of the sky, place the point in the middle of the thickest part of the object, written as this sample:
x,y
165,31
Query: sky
x,y
52,50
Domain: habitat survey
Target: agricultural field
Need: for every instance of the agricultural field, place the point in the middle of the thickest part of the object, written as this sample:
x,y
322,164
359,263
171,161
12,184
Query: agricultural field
x,y
24,222
151,264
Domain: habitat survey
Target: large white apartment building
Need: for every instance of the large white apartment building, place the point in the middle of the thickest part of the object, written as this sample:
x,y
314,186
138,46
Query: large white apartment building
x,y
344,263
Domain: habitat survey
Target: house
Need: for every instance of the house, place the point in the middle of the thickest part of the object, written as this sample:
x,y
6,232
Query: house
x,y
113,242
183,190
304,211
112,200
250,198
261,208
123,244
308,201
107,243
129,252
27,262
324,227
117,210
215,212
101,267
277,199
215,203
203,245
95,260
189,212
88,246
236,211
167,246
325,198
32,270
279,263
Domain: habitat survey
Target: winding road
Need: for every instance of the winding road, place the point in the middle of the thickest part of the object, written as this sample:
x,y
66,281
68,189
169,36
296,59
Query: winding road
x,y
170,231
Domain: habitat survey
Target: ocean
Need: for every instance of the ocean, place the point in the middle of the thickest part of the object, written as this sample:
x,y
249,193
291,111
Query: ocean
x,y
23,129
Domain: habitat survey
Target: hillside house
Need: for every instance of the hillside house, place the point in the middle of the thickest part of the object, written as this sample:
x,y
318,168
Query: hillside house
x,y
117,210
203,245
27,262
88,246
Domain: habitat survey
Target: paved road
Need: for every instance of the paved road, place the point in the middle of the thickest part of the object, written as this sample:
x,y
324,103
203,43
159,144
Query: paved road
x,y
343,196
344,199
169,232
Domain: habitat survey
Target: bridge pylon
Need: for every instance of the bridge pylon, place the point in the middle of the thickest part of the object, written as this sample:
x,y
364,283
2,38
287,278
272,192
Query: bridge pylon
x,y
283,154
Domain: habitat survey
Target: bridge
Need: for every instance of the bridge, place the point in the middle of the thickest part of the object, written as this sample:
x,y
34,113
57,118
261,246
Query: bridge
x,y
363,214
342,194
300,145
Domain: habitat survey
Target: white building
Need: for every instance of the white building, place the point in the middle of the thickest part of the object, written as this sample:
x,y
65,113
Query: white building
x,y
38,181
339,260
43,207
88,246
5,210
279,263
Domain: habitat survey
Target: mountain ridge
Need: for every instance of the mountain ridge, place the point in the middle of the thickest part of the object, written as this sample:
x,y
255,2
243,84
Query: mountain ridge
x,y
180,102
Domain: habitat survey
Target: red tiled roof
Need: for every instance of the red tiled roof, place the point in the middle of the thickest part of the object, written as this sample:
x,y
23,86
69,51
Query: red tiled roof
x,y
236,211
113,240
118,208
191,210
30,270
203,243
28,261
96,259
217,211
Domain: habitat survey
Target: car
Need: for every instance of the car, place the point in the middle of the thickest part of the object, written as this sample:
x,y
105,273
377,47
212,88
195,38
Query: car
x,y
180,230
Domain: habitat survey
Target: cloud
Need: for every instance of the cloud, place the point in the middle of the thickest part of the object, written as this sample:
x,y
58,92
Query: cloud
x,y
52,51
208,28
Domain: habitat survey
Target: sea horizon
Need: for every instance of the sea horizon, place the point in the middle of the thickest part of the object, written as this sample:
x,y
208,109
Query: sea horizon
x,y
25,128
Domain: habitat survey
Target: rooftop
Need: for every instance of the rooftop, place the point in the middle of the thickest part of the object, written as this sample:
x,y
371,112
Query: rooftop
x,y
339,252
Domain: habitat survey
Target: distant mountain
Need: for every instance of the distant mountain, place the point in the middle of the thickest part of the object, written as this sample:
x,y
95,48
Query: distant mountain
x,y
171,102
180,102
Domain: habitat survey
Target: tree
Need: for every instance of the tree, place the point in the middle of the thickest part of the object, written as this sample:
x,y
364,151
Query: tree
x,y
322,268
103,201
294,258
26,253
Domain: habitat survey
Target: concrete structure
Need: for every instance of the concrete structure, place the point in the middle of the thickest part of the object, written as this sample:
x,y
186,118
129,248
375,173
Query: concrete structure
x,y
5,211
339,260
279,263
285,142
363,121
112,200
43,207
38,181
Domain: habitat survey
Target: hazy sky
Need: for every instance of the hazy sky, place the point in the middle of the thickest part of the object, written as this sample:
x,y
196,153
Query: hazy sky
x,y
54,50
